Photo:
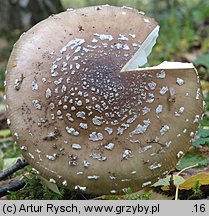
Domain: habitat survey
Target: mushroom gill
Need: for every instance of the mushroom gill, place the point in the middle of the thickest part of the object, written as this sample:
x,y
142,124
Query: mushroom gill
x,y
83,119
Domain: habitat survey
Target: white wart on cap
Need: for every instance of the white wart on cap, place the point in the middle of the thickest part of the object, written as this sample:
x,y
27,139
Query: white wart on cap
x,y
81,112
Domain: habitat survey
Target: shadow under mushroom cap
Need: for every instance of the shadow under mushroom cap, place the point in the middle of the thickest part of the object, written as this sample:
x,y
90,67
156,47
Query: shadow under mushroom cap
x,y
84,124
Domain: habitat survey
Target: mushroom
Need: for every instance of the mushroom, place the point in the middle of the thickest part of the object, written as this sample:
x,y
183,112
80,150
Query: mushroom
x,y
85,115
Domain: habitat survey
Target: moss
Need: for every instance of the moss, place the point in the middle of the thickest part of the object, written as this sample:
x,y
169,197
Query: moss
x,y
34,190
196,192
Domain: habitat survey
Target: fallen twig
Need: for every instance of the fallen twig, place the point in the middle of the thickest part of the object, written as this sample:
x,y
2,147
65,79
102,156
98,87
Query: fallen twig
x,y
17,166
12,186
7,139
5,145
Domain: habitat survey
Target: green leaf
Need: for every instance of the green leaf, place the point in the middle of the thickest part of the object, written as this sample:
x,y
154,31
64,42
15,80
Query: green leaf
x,y
202,60
201,141
1,160
192,158
5,133
202,132
165,182
8,162
2,107
178,180
52,186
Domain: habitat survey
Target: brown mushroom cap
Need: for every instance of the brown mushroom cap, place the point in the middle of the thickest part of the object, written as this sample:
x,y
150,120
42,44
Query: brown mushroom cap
x,y
82,123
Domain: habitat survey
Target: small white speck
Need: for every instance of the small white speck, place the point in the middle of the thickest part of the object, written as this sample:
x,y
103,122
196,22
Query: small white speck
x,y
127,153
98,156
126,47
65,107
125,180
50,157
191,134
179,81
140,129
146,183
96,136
81,114
94,40
180,154
142,12
48,93
155,166
23,148
133,35
197,97
35,171
86,164
37,104
164,129
163,90
83,125
196,119
185,130
145,110
80,188
123,38
72,44
152,85
59,112
134,117
64,89
168,143
110,146
133,172
104,36
31,155
113,177
8,122
93,177
146,20
76,146
77,66
64,183
79,173
159,109
181,109
79,103
72,131
109,130
161,75
51,180
34,85
97,120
